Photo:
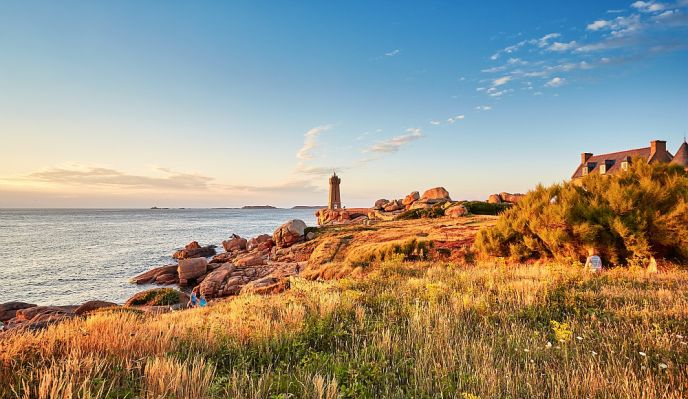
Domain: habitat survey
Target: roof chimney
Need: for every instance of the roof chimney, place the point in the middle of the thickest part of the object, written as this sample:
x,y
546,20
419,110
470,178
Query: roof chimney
x,y
657,147
585,156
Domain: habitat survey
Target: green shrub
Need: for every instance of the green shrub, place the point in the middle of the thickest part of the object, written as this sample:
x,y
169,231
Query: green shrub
x,y
485,208
436,211
627,218
156,297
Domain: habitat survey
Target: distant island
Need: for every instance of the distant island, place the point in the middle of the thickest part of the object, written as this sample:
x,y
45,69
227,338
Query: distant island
x,y
308,207
258,207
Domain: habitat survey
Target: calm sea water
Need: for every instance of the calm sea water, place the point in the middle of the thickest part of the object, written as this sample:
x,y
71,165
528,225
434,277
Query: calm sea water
x,y
69,256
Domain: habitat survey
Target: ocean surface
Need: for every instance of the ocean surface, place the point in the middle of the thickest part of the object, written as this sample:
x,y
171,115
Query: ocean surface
x,y
69,256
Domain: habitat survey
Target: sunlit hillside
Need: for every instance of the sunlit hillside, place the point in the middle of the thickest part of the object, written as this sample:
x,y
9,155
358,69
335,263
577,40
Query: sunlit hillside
x,y
405,330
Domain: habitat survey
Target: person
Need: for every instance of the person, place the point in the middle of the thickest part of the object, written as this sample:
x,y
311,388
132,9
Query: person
x,y
2,326
194,300
202,302
594,262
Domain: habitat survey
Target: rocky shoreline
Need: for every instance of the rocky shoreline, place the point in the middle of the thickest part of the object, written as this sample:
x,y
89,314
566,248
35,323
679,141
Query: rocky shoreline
x,y
257,265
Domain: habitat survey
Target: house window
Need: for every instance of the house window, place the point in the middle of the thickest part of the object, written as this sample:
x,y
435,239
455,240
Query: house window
x,y
585,170
624,165
603,169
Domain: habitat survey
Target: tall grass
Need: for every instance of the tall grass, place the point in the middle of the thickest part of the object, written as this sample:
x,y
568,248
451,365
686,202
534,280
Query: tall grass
x,y
405,330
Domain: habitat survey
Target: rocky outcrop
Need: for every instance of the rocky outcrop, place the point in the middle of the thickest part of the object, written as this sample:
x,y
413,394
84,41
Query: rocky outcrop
x,y
161,275
251,259
90,306
190,269
494,199
235,243
510,198
9,310
158,297
194,250
456,211
435,195
380,204
229,279
262,241
394,206
410,199
420,205
289,233
327,217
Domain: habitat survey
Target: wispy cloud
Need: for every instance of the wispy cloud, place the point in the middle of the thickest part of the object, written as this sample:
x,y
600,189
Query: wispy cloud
x,y
435,123
648,6
311,141
392,53
456,118
642,30
483,108
501,81
102,177
395,143
555,82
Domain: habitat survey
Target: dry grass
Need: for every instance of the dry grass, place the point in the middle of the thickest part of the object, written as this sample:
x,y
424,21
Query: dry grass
x,y
405,330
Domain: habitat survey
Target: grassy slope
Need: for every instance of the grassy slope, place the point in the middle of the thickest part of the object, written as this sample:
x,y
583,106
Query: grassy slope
x,y
403,330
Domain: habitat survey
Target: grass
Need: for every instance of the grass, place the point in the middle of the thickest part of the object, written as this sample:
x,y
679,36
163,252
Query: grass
x,y
405,330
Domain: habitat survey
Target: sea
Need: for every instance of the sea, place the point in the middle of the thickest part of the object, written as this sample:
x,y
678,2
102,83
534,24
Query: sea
x,y
70,256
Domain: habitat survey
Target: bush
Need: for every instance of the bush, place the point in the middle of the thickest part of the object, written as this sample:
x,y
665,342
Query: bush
x,y
435,211
485,208
627,217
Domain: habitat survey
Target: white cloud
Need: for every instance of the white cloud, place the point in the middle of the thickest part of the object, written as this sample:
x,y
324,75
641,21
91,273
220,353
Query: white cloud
x,y
516,61
494,92
392,53
618,26
648,6
483,108
544,40
395,143
455,119
311,141
555,82
501,81
494,69
597,25
435,123
559,47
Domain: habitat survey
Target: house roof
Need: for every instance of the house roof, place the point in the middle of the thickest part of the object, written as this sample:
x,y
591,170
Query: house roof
x,y
614,157
681,157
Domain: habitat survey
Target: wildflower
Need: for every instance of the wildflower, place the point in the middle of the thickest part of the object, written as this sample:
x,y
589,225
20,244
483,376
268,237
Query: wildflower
x,y
594,353
526,350
579,338
549,345
663,366
679,336
643,354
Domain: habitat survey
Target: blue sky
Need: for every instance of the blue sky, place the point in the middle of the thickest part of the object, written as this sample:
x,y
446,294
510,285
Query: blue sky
x,y
128,103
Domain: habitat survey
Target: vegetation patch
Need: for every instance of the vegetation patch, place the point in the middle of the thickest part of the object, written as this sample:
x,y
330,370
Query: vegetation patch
x,y
377,252
156,297
485,208
627,218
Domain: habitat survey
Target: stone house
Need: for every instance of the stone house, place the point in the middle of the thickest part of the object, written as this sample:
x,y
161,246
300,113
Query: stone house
x,y
608,164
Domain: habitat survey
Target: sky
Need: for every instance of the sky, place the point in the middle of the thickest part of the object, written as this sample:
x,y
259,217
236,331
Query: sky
x,y
220,104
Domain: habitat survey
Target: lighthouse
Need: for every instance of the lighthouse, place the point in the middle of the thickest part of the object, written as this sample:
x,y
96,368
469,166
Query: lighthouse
x,y
335,196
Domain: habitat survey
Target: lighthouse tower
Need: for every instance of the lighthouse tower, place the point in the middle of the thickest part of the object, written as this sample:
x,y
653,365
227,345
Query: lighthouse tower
x,y
335,196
